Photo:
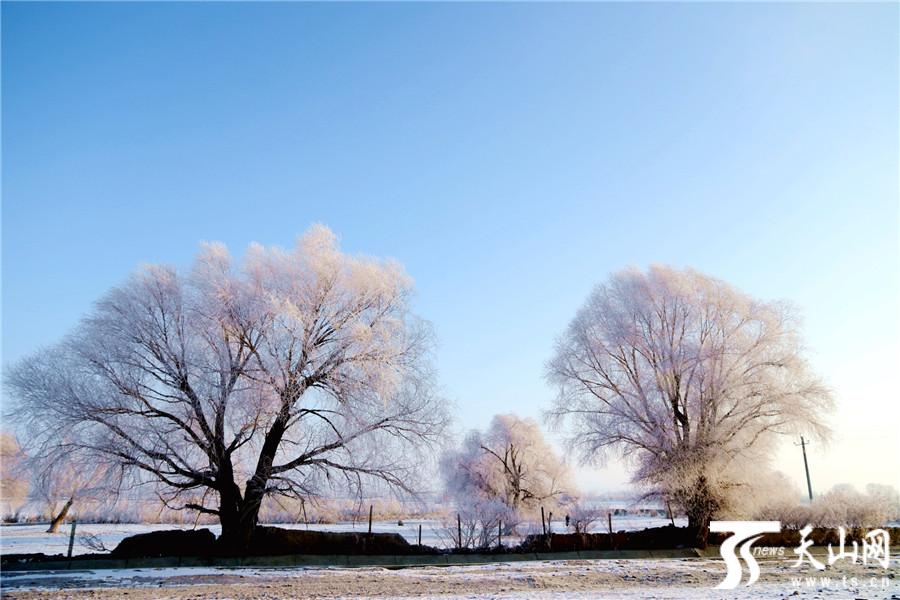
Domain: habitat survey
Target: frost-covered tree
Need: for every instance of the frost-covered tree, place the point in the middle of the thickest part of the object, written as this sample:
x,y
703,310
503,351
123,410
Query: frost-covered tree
x,y
687,375
227,384
510,463
13,476
887,497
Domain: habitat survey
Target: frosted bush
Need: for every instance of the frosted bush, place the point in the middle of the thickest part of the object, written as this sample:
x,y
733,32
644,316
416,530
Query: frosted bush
x,y
582,517
842,506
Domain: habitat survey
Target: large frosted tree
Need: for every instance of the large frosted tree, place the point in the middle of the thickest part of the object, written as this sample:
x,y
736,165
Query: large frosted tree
x,y
224,385
687,375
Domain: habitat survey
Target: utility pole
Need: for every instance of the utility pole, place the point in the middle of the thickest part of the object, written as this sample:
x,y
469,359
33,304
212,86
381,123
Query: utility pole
x,y
802,444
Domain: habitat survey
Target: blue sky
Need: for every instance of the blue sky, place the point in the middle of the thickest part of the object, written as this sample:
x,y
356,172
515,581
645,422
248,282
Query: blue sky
x,y
510,156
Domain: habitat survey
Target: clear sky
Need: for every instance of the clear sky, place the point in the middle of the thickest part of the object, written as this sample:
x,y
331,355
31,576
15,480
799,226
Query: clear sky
x,y
510,155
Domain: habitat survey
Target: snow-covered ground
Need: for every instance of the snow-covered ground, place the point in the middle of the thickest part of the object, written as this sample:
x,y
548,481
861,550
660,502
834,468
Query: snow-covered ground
x,y
22,539
544,580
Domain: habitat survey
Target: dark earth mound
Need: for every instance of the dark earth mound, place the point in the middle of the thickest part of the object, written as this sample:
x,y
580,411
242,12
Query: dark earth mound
x,y
656,538
671,537
201,542
271,541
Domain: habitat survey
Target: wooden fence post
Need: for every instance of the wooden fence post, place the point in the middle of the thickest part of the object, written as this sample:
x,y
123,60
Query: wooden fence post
x,y
420,534
609,526
459,531
543,522
370,518
72,537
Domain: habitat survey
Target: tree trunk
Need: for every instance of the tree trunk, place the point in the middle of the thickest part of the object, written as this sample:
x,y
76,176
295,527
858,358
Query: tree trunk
x,y
238,515
700,507
238,525
58,519
237,529
698,529
237,521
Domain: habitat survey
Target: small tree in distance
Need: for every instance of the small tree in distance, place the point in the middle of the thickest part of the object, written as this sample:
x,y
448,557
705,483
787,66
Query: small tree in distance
x,y
687,375
511,464
582,517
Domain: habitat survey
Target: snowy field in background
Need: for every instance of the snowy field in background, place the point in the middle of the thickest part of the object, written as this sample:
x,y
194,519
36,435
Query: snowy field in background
x,y
27,539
